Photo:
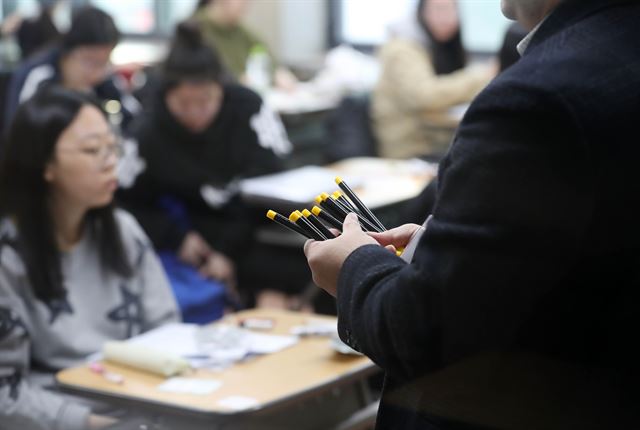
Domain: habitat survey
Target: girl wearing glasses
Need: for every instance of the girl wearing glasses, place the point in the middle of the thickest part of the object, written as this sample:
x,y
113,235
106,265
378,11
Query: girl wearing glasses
x,y
74,271
80,60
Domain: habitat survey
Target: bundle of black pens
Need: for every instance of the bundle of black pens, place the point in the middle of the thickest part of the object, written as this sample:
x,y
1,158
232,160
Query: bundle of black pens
x,y
332,210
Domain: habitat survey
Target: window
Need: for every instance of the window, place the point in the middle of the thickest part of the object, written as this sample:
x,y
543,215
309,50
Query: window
x,y
135,17
147,17
365,23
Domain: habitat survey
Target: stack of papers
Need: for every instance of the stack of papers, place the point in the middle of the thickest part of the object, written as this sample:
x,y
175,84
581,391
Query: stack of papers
x,y
215,346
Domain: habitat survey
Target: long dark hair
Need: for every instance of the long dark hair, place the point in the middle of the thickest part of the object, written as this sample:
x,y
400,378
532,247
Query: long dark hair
x,y
24,193
447,56
190,59
203,3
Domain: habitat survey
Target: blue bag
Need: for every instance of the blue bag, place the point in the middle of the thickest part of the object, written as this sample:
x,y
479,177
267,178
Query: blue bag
x,y
201,300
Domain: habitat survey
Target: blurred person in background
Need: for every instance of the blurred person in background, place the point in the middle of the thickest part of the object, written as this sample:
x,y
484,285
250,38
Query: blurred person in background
x,y
81,61
202,137
221,23
74,271
421,72
32,34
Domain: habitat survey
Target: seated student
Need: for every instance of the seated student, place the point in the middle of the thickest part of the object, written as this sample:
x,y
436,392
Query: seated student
x,y
221,24
32,34
423,72
74,271
79,62
202,136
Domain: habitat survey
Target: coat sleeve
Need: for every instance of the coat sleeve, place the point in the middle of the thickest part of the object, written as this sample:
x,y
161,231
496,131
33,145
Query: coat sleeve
x,y
514,200
23,405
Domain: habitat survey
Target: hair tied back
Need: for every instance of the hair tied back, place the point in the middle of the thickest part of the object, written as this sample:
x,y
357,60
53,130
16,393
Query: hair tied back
x,y
189,34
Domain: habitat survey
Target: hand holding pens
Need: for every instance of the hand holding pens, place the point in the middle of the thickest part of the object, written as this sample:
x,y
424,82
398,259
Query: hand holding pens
x,y
333,210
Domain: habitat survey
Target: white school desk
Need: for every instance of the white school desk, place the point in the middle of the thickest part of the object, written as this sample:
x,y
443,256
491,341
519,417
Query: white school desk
x,y
309,384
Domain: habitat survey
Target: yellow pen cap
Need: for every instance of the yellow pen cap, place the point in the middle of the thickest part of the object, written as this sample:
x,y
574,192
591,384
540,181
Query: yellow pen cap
x,y
319,199
295,216
271,214
324,196
336,194
338,179
306,213
316,210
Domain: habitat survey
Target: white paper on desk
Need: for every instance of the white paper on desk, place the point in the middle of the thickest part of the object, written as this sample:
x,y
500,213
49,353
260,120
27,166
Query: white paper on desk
x,y
200,387
238,403
260,343
179,338
229,344
315,328
299,185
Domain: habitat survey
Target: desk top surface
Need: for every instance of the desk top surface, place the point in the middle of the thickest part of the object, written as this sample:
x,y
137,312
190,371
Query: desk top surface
x,y
309,367
379,182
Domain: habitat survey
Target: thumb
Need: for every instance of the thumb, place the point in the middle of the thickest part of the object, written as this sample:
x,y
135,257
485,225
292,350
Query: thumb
x,y
351,224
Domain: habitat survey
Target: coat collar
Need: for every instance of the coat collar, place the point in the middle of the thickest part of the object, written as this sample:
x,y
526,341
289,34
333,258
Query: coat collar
x,y
568,13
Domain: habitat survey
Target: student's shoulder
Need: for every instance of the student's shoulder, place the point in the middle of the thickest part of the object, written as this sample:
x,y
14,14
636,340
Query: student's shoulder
x,y
135,241
130,229
241,99
10,259
401,46
237,92
42,63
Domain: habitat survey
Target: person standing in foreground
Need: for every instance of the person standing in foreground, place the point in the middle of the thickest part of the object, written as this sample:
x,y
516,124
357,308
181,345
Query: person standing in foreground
x,y
517,310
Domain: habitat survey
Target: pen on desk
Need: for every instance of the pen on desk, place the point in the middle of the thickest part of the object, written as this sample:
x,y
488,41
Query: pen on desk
x,y
98,368
327,217
317,223
363,208
297,218
283,221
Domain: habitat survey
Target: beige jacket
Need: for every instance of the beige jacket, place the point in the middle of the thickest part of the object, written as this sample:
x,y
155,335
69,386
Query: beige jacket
x,y
407,89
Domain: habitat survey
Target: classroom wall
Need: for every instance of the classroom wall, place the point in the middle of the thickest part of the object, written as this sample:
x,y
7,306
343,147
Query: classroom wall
x,y
295,30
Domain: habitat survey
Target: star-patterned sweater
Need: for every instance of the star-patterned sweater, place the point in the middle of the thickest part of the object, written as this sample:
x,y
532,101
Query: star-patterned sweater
x,y
99,306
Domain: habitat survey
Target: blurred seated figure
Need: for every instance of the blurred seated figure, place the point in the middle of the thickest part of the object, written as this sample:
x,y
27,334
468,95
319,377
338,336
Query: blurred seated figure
x,y
74,271
202,136
349,129
32,34
421,72
81,61
221,23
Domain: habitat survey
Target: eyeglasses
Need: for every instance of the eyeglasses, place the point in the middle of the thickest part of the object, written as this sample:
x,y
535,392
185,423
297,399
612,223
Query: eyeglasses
x,y
100,147
103,152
